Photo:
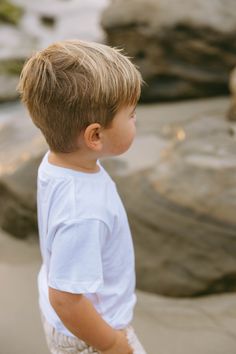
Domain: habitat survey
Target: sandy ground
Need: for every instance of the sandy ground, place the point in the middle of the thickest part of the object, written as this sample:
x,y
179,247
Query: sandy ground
x,y
164,325
20,327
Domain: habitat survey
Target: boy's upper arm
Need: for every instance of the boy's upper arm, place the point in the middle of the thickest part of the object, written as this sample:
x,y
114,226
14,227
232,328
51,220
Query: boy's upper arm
x,y
59,298
76,257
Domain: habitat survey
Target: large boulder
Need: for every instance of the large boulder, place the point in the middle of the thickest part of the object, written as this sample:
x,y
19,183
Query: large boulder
x,y
10,69
181,204
231,115
184,48
178,185
21,147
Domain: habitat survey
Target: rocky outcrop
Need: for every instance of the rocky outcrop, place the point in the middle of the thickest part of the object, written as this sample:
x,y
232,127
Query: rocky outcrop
x,y
17,216
21,148
183,48
178,185
179,250
181,205
9,76
232,84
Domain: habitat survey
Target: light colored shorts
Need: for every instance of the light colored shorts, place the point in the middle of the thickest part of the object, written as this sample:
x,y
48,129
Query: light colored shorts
x,y
59,343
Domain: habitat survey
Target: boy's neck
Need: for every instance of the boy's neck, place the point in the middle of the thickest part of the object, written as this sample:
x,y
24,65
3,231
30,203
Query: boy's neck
x,y
74,161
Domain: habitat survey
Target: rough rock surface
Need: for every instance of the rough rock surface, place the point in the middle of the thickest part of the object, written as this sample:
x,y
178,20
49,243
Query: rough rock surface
x,y
184,48
178,184
21,148
181,201
232,85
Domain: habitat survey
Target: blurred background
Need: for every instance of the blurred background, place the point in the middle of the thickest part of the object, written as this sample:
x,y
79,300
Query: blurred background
x,y
178,181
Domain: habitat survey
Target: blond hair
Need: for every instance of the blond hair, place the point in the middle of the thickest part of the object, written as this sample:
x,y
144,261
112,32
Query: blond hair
x,y
72,84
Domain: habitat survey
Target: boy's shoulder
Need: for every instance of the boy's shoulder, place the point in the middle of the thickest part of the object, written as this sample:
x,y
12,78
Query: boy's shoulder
x,y
75,195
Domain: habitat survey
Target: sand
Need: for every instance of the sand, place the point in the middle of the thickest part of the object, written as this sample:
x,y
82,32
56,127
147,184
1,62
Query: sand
x,y
20,327
179,326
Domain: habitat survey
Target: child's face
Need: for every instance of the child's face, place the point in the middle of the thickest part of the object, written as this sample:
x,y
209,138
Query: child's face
x,y
120,134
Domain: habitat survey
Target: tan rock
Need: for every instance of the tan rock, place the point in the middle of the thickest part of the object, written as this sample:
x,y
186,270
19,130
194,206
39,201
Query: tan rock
x,y
183,48
232,85
181,204
178,184
21,147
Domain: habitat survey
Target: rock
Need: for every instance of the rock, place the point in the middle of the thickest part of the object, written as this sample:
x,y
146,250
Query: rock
x,y
21,142
178,185
182,205
16,217
183,48
231,115
179,252
16,46
9,76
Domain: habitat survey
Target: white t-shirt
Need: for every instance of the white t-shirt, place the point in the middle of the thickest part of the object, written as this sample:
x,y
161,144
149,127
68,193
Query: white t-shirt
x,y
85,242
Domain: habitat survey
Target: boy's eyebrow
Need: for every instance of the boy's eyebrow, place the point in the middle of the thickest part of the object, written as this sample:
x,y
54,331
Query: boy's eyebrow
x,y
134,109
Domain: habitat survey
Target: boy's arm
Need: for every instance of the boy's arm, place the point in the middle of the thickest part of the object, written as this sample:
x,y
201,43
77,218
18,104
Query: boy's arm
x,y
81,318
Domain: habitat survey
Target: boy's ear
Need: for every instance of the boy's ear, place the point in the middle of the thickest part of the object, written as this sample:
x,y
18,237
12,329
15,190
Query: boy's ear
x,y
92,136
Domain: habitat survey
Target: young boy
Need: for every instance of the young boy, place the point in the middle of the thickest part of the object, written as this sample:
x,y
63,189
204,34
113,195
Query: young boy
x,y
82,96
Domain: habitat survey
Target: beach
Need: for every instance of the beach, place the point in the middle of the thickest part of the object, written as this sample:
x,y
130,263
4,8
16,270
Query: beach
x,y
204,325
20,326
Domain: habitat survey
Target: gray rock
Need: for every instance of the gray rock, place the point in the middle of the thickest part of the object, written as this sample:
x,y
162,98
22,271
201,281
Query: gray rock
x,y
8,85
179,252
9,76
178,185
184,48
182,205
231,114
21,148
16,216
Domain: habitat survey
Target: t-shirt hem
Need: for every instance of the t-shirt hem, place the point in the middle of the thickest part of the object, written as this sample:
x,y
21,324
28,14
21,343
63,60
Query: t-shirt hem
x,y
75,288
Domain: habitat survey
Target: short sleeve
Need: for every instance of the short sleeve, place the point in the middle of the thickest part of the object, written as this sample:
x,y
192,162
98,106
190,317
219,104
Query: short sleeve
x,y
76,257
